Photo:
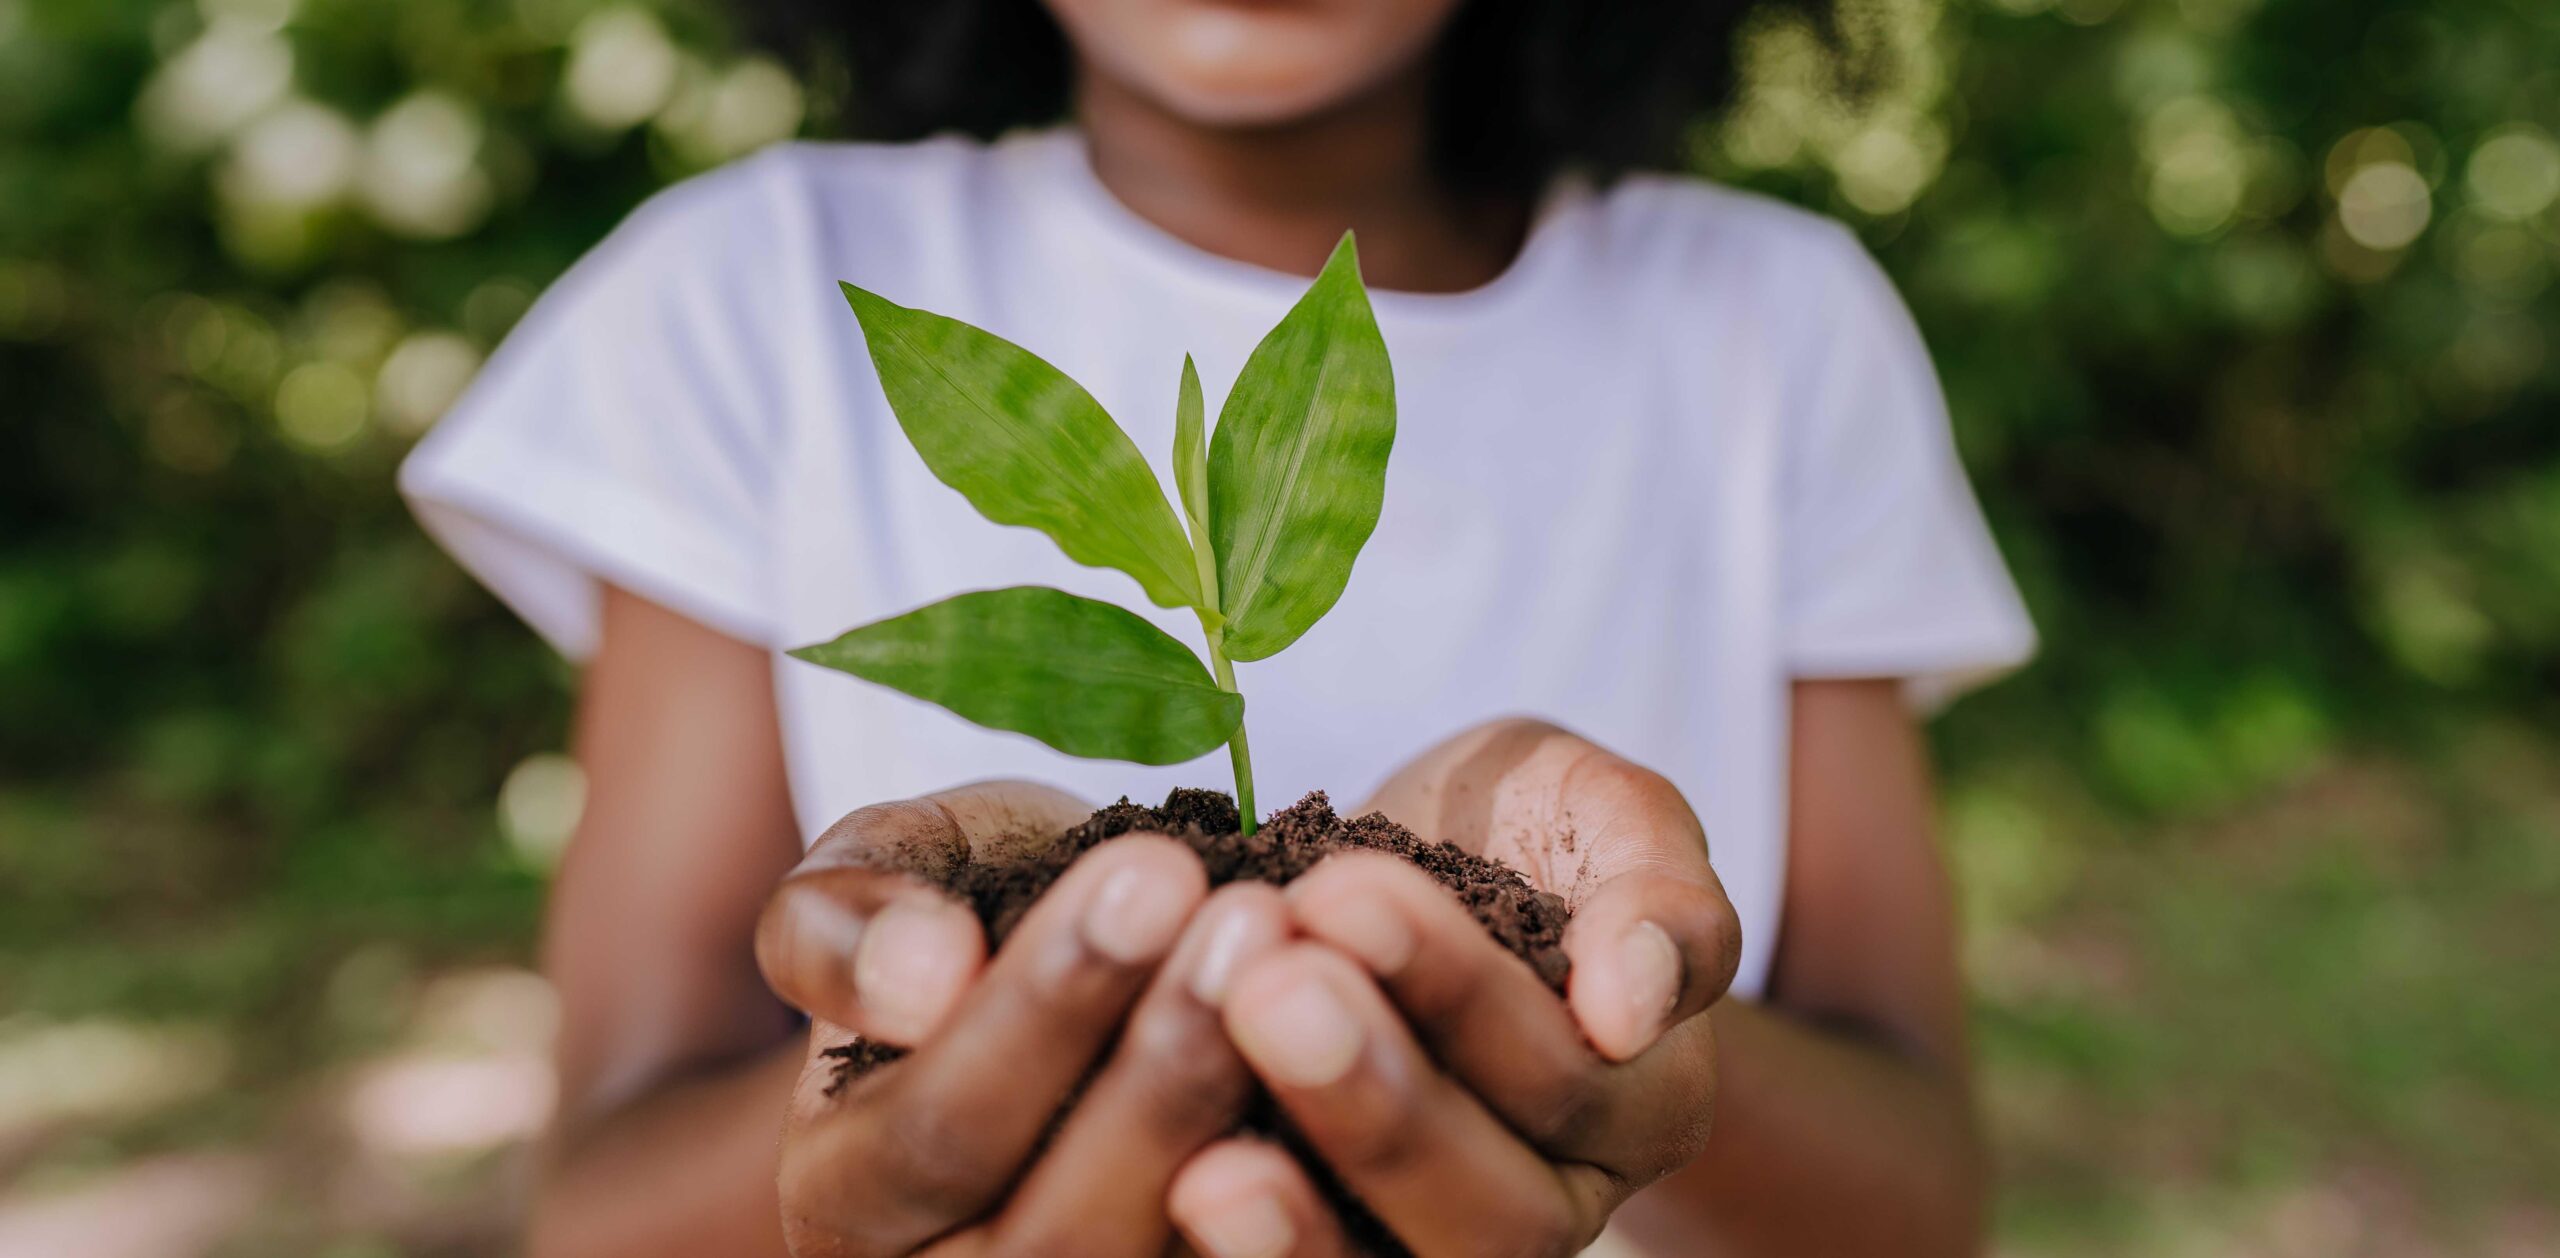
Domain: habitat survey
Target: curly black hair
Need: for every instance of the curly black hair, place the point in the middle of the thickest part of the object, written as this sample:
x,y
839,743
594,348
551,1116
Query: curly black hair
x,y
1522,88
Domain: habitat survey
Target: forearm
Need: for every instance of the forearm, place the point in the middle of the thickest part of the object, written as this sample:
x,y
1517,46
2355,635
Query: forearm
x,y
1824,1144
684,1171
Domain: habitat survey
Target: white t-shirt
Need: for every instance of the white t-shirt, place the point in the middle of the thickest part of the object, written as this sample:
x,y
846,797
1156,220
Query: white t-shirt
x,y
1686,449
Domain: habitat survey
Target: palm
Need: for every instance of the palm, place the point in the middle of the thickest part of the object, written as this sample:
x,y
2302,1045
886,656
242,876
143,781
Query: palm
x,y
1560,810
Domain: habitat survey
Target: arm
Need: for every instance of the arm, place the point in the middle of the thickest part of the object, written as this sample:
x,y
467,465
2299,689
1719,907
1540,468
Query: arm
x,y
675,1060
1851,1084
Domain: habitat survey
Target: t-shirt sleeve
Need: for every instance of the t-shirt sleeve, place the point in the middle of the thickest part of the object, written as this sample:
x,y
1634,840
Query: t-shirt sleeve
x,y
1888,568
626,432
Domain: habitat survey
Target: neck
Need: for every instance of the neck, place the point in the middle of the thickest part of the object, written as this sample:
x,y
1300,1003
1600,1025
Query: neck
x,y
1280,196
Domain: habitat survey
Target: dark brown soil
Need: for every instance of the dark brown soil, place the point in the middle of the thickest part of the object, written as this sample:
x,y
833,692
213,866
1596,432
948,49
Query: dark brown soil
x,y
1522,918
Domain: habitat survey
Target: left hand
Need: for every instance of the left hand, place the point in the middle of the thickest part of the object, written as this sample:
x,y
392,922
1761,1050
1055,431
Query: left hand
x,y
1431,1069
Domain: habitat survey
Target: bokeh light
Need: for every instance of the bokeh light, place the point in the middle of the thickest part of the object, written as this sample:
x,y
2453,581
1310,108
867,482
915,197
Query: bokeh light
x,y
229,75
54,1072
298,156
421,167
2515,173
539,805
432,1104
2199,167
322,406
622,68
422,377
2385,205
721,115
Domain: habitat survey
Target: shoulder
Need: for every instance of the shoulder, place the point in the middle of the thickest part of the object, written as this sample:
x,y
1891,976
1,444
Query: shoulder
x,y
1701,246
745,251
1685,219
1796,287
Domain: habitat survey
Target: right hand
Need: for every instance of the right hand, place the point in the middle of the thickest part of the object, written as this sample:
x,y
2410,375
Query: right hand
x,y
1126,956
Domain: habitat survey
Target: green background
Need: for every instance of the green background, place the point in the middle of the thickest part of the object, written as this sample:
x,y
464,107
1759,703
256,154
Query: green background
x,y
2244,306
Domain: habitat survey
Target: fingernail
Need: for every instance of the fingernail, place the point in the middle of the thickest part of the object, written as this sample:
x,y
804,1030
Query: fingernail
x,y
1225,940
1254,1227
1652,975
1300,1035
1136,915
905,970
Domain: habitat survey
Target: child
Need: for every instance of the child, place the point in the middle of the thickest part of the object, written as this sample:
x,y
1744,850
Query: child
x,y
1671,470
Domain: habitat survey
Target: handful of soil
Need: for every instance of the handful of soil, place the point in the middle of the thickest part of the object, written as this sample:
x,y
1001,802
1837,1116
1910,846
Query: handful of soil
x,y
1520,917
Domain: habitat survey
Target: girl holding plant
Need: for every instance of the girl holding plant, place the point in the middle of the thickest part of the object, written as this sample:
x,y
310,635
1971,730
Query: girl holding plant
x,y
1671,469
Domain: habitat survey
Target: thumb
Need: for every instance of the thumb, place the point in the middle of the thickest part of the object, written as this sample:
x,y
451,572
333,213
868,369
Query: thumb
x,y
1649,951
859,935
1656,940
874,951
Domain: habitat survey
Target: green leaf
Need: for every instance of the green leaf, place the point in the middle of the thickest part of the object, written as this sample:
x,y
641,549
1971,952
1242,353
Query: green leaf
x,y
1190,455
1298,467
1026,445
1085,677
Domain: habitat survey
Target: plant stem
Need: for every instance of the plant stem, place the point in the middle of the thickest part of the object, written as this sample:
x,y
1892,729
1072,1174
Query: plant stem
x,y
1213,628
1237,749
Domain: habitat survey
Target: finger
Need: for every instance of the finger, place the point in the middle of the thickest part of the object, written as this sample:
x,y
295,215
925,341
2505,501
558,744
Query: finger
x,y
869,880
873,951
1651,949
1173,1085
1653,938
1489,1021
1245,1198
1441,1172
936,1139
876,876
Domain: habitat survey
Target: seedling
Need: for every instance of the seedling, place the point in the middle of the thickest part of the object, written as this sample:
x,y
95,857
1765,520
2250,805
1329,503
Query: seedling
x,y
1275,506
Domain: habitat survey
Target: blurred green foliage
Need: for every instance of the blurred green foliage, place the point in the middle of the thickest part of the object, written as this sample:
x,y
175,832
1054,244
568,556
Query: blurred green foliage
x,y
2245,308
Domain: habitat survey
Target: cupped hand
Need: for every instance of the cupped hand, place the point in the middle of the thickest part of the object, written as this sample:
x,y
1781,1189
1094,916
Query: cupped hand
x,y
1108,985
1430,1069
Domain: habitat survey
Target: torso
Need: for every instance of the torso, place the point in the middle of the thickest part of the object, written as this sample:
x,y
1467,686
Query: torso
x,y
1580,509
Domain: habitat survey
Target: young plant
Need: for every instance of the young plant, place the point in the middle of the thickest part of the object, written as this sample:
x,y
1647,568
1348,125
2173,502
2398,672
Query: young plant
x,y
1274,508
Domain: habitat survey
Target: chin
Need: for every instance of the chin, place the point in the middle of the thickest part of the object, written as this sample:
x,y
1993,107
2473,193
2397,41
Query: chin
x,y
1245,65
